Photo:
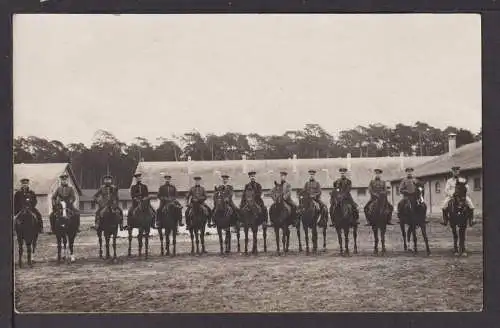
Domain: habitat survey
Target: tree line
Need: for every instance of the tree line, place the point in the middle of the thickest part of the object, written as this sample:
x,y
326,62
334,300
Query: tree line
x,y
107,154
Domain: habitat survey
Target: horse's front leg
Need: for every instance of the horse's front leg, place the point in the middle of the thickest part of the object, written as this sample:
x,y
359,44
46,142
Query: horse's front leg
x,y
129,241
277,236
202,237
315,238
114,244
99,237
414,232
339,238
221,240
298,236
383,230
146,243
160,234
375,236
245,228
20,250
455,238
462,231
255,230
139,241
346,240
191,234
403,233
174,242
59,247
355,236
228,240
167,239
107,236
324,237
306,237
237,237
423,228
197,236
29,251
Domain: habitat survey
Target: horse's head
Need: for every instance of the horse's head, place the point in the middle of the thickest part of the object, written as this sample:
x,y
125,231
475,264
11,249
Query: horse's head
x,y
219,201
461,188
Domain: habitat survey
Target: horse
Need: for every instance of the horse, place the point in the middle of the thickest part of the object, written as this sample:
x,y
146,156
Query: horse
x,y
378,213
141,217
27,229
110,220
281,217
459,214
342,215
413,213
252,215
312,218
168,218
65,228
223,214
199,217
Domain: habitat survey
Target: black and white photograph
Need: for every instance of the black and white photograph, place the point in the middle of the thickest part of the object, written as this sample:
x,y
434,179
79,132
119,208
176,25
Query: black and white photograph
x,y
213,163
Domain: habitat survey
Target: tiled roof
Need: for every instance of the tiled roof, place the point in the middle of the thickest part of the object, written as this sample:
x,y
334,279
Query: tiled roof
x,y
42,176
468,157
361,171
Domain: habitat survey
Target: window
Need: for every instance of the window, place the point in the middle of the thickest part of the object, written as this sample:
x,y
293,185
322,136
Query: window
x,y
124,204
477,183
361,191
92,205
397,189
437,187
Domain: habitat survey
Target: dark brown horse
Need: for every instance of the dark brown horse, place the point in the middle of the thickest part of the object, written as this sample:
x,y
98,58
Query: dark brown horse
x,y
280,214
168,218
223,216
66,226
27,229
110,220
198,215
141,218
413,213
459,215
342,215
252,215
311,216
378,213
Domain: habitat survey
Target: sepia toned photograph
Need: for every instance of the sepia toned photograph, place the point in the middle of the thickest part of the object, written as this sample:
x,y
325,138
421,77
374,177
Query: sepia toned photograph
x,y
218,163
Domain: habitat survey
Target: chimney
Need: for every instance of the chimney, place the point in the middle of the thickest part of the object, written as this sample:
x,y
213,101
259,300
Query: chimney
x,y
244,159
189,165
294,163
402,161
349,161
452,143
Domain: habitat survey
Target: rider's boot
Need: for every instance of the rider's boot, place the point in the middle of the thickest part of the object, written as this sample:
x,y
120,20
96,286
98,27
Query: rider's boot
x,y
471,218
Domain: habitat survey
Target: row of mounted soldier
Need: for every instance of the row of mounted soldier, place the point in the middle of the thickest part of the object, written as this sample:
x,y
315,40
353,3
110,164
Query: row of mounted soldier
x,y
251,213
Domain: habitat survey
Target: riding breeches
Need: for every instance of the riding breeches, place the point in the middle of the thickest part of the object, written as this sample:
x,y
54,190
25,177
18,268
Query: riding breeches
x,y
448,198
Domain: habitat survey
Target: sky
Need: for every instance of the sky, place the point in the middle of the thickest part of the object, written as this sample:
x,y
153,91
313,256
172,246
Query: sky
x,y
158,75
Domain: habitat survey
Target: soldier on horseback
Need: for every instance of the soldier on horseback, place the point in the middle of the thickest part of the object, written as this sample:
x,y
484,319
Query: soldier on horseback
x,y
228,192
286,189
408,188
138,192
67,194
198,194
257,194
107,195
27,197
377,189
313,189
450,191
342,187
167,194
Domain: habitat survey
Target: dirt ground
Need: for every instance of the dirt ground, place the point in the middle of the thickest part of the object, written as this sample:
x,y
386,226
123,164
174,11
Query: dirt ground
x,y
398,281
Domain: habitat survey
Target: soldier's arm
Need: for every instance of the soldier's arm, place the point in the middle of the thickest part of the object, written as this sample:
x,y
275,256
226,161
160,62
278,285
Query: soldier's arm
x,y
188,194
258,190
115,194
72,196
145,192
204,194
55,195
402,187
317,190
230,192
175,191
348,186
98,193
